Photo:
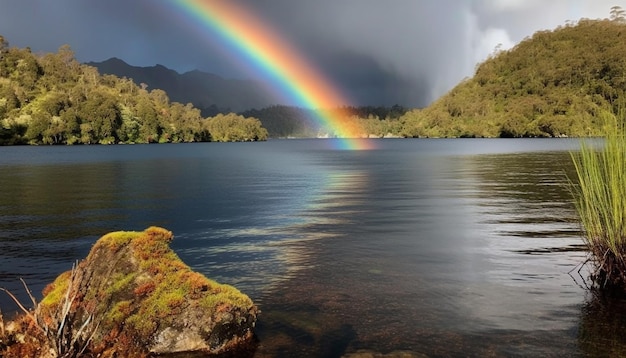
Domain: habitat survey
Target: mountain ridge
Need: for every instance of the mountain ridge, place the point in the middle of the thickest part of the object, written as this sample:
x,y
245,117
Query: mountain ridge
x,y
209,92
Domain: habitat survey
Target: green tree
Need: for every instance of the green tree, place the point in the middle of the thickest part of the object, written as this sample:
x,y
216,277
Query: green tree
x,y
4,47
60,69
617,14
37,125
146,115
235,128
70,124
101,111
8,100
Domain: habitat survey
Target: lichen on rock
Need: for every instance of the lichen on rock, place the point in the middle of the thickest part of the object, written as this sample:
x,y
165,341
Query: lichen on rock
x,y
133,293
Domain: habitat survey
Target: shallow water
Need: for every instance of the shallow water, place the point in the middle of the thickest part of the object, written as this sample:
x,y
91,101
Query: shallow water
x,y
433,247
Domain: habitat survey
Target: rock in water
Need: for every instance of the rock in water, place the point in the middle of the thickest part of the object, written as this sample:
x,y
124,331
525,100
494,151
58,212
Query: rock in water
x,y
132,295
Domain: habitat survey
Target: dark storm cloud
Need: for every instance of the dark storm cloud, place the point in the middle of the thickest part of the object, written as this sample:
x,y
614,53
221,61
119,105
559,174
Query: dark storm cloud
x,y
141,32
392,49
412,51
386,52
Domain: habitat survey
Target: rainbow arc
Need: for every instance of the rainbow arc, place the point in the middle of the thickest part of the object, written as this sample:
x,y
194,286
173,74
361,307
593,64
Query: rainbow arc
x,y
265,50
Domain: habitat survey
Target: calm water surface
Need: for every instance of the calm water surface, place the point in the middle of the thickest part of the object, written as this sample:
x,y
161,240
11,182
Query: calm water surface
x,y
431,247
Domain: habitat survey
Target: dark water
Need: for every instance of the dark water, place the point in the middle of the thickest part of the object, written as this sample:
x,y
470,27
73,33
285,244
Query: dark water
x,y
432,247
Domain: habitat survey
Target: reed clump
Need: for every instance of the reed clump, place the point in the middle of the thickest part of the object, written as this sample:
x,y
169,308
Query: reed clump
x,y
600,198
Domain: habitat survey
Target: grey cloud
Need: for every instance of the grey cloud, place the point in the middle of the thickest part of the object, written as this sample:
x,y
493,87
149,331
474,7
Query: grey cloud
x,y
406,52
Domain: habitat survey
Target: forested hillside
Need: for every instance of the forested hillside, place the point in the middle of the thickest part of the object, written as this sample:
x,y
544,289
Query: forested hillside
x,y
53,99
552,84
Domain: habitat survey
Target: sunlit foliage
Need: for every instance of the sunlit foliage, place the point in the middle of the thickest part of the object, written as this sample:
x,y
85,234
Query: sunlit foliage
x,y
53,99
235,128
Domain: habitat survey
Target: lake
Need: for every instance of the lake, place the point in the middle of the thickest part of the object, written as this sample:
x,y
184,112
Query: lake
x,y
429,247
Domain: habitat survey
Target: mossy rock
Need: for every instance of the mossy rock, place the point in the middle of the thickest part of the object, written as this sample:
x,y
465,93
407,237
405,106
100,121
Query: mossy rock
x,y
138,294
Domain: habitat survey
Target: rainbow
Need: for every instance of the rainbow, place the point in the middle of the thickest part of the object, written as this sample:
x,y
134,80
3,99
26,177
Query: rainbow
x,y
264,50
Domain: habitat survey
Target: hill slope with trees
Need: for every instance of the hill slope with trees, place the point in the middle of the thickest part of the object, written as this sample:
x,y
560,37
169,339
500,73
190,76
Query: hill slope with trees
x,y
53,99
552,84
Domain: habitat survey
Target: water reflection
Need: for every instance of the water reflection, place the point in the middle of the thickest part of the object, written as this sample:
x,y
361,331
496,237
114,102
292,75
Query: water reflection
x,y
532,238
449,254
602,326
341,196
279,246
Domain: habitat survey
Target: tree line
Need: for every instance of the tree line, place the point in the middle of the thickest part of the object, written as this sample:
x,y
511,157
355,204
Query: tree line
x,y
363,121
53,99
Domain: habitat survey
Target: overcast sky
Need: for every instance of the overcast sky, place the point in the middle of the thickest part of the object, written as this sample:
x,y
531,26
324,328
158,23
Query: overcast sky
x,y
380,52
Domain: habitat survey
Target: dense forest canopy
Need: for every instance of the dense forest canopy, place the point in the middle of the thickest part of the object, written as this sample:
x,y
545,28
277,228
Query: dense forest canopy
x,y
53,99
552,84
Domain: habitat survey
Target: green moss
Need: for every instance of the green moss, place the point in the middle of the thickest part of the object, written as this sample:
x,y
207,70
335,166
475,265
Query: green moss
x,y
117,240
225,295
173,283
163,303
118,312
146,327
54,293
139,283
120,282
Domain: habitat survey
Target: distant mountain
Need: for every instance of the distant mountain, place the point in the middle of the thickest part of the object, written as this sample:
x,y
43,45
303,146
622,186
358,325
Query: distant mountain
x,y
209,92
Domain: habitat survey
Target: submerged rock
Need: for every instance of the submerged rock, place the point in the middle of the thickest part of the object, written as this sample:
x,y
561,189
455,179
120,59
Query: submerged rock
x,y
133,296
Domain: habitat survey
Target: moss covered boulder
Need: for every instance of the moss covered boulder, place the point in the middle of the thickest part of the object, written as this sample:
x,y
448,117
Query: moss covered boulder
x,y
133,296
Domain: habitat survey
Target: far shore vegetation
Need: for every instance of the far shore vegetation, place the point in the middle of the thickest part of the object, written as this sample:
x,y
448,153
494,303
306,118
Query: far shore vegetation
x,y
553,84
53,99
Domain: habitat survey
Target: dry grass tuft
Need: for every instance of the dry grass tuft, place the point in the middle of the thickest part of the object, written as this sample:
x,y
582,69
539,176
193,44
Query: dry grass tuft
x,y
59,331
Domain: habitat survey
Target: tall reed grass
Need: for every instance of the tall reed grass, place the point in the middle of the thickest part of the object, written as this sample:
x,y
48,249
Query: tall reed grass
x,y
600,198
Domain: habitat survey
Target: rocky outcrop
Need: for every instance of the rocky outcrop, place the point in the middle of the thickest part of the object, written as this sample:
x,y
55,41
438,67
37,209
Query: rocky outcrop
x,y
133,296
